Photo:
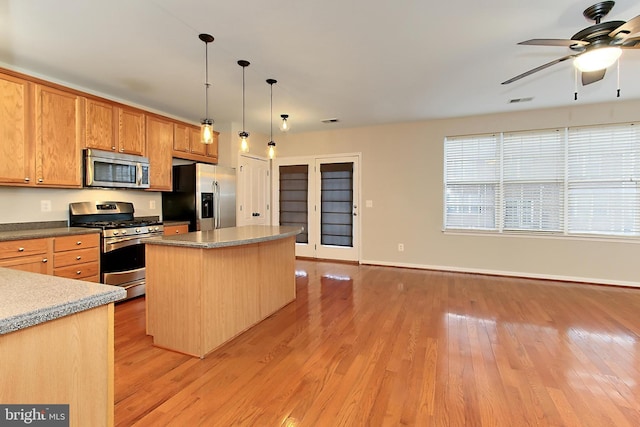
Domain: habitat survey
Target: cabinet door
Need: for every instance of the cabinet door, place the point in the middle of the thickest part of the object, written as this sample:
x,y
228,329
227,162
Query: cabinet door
x,y
33,264
99,125
131,131
197,147
58,137
212,149
16,154
159,146
181,138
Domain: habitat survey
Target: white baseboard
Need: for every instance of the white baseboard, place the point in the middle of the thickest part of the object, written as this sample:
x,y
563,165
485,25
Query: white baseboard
x,y
596,281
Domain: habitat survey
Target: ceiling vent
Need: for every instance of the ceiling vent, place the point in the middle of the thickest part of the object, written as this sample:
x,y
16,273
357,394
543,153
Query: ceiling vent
x,y
517,100
330,121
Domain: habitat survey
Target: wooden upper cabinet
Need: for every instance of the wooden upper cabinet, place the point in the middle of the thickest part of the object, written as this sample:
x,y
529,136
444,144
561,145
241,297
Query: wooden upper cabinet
x,y
160,143
58,137
100,125
16,148
131,131
187,145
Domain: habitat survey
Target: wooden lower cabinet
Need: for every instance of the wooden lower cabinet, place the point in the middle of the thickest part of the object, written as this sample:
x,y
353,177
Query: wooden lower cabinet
x,y
26,255
77,257
73,257
68,360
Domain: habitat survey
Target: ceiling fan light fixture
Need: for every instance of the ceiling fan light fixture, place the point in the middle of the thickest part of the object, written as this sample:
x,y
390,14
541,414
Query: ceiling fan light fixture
x,y
597,59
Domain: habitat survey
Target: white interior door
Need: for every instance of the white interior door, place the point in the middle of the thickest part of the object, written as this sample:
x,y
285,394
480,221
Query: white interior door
x,y
320,195
253,185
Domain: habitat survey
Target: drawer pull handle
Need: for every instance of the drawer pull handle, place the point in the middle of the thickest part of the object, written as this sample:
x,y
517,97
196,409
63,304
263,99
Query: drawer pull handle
x,y
78,257
79,242
44,260
20,249
177,231
78,272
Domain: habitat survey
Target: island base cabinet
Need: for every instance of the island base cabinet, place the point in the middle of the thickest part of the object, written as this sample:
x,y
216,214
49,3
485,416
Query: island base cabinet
x,y
68,360
198,299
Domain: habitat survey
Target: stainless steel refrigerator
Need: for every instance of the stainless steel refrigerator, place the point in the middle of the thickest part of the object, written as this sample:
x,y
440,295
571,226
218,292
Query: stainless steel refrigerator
x,y
204,195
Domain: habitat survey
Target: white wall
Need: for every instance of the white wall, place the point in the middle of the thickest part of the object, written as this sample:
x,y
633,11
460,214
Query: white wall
x,y
402,173
18,205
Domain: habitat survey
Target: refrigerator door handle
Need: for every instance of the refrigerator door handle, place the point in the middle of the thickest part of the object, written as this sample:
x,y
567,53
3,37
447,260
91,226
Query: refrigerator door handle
x,y
216,203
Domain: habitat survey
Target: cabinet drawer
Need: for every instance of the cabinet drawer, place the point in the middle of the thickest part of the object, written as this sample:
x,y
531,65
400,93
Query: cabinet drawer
x,y
79,271
32,263
81,241
18,248
170,230
80,256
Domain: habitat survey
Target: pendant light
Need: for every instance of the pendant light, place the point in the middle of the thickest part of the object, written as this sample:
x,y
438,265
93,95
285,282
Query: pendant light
x,y
271,146
284,125
244,144
206,125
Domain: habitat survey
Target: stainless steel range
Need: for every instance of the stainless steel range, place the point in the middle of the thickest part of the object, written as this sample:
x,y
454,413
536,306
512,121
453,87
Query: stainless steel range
x,y
122,260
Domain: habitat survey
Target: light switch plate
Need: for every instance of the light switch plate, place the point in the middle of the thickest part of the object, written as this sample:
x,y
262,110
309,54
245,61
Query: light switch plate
x,y
45,205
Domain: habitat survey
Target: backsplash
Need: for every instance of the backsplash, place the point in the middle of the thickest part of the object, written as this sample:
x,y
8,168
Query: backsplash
x,y
18,205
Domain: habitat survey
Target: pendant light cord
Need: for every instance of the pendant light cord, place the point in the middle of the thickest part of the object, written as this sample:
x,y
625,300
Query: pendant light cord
x,y
243,99
206,82
271,112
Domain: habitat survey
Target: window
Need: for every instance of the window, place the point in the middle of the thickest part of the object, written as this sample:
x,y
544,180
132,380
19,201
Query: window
x,y
336,212
294,199
570,181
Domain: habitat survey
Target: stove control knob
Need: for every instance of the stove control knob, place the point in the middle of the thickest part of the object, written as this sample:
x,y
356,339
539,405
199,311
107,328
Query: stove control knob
x,y
156,229
137,230
115,233
124,231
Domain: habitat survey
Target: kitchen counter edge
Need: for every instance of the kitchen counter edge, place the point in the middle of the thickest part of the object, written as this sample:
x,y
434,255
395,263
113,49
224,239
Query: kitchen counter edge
x,y
31,298
6,236
225,237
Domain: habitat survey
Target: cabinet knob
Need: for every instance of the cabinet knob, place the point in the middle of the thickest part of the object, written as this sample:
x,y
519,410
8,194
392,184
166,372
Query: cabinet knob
x,y
27,179
177,231
122,150
20,249
44,260
113,147
78,272
78,257
40,180
79,242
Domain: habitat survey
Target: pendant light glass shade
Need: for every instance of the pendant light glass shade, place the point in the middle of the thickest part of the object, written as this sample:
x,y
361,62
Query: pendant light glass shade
x,y
244,143
271,145
597,59
206,125
284,124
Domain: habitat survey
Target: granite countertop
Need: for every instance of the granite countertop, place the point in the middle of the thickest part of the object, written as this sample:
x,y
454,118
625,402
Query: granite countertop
x,y
30,298
222,237
38,233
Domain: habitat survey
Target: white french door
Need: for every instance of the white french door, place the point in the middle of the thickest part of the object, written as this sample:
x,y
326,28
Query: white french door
x,y
322,196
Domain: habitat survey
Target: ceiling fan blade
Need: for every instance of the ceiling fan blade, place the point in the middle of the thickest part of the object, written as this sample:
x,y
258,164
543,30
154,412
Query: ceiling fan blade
x,y
553,42
631,43
630,27
535,70
592,76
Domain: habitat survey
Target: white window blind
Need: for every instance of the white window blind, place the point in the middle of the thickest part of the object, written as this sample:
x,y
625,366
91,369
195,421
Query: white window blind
x,y
533,180
472,177
603,176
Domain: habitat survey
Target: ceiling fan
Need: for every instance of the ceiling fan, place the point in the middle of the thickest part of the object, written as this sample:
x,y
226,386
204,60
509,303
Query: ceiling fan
x,y
596,47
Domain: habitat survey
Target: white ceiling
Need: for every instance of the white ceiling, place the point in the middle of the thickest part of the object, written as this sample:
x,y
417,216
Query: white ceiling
x,y
361,61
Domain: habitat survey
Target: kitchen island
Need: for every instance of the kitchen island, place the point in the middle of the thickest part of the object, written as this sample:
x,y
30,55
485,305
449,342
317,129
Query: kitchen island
x,y
206,287
56,344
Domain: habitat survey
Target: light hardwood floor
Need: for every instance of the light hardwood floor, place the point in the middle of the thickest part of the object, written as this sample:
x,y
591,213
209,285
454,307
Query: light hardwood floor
x,y
381,346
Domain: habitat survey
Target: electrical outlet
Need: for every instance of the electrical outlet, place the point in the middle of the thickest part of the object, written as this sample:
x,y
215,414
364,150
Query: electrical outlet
x,y
45,205
152,204
400,247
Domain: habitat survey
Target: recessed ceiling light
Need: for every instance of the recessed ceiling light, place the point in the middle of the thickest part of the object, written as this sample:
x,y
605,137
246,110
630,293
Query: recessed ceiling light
x,y
330,120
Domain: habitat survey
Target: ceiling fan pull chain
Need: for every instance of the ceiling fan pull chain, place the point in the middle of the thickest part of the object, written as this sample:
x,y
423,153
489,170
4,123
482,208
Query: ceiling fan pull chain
x,y
575,84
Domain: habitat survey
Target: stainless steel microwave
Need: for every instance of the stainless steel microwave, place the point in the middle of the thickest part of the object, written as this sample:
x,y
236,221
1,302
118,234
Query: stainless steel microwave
x,y
107,169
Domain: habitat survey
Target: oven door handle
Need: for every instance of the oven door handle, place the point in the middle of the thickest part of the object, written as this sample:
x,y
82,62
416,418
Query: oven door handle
x,y
112,244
